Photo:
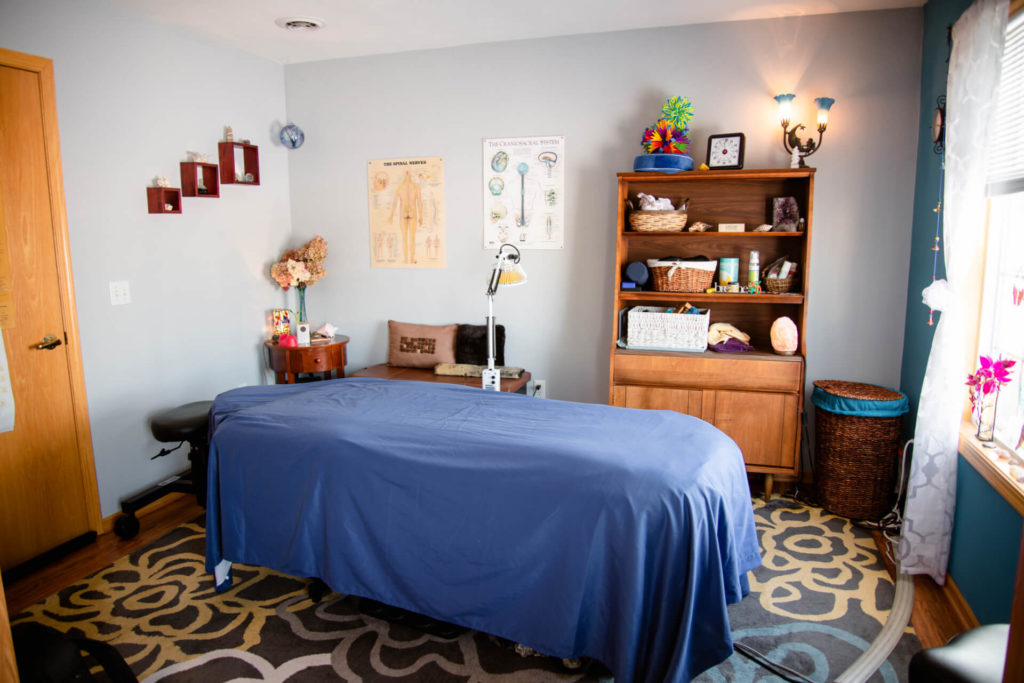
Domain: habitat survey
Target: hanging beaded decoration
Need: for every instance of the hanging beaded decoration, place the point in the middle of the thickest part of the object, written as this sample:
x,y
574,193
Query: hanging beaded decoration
x,y
938,228
940,149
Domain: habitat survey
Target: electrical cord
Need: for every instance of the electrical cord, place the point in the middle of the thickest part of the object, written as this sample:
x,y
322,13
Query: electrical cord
x,y
892,522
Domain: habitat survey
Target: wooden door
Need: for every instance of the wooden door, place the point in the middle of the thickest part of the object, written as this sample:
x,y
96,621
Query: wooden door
x,y
8,666
47,479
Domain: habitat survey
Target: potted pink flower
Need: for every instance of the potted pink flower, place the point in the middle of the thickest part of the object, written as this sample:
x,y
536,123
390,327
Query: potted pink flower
x,y
985,383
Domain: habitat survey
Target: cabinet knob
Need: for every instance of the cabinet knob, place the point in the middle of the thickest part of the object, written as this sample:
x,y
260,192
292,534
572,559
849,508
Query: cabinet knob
x,y
317,360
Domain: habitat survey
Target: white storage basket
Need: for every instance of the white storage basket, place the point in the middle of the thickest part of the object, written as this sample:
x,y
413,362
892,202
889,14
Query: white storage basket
x,y
651,328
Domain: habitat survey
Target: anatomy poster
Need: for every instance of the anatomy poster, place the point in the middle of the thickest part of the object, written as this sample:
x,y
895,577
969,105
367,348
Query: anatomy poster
x,y
407,213
524,192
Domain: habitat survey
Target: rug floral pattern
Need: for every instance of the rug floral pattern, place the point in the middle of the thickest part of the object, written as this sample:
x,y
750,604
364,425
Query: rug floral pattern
x,y
819,599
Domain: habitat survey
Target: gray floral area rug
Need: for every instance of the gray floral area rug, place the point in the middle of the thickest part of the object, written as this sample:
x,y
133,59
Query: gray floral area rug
x,y
817,602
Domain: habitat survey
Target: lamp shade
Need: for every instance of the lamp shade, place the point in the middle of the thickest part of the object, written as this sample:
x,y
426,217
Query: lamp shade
x,y
823,104
512,274
785,101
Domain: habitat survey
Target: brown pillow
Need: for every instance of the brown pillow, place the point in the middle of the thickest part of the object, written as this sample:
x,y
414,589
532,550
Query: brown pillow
x,y
420,346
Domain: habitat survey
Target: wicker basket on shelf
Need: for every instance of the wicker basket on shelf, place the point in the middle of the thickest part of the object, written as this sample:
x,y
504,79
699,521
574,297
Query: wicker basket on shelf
x,y
658,221
778,285
681,276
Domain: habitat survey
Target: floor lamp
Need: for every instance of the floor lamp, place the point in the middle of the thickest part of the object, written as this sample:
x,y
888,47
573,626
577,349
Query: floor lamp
x,y
506,273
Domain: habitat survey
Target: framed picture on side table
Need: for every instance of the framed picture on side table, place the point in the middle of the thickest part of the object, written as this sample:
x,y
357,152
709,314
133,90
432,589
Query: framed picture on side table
x,y
726,150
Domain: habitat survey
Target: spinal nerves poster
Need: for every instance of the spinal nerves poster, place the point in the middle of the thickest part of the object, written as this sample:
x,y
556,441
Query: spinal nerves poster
x,y
524,192
407,213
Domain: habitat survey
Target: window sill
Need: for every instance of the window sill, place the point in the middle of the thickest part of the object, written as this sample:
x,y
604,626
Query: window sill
x,y
983,460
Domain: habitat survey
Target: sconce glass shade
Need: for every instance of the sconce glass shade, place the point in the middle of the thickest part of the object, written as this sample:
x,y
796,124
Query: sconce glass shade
x,y
824,104
785,107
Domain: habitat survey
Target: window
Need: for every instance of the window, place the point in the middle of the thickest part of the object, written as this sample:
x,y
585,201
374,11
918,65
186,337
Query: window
x,y
1001,329
1002,324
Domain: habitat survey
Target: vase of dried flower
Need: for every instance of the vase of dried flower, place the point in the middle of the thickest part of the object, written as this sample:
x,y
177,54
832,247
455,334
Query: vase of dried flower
x,y
987,417
302,303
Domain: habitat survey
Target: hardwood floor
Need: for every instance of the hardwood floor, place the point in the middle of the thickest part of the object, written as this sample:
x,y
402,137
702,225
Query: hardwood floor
x,y
936,618
939,611
166,514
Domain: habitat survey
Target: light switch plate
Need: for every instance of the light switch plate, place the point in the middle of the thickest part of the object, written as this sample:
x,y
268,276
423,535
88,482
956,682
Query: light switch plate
x,y
120,293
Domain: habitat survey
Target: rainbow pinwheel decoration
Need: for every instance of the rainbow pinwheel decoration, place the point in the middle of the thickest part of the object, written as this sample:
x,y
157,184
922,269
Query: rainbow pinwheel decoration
x,y
665,138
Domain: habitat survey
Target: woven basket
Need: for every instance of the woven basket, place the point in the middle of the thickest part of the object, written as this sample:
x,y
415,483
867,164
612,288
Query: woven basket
x,y
658,221
855,457
680,277
778,285
651,327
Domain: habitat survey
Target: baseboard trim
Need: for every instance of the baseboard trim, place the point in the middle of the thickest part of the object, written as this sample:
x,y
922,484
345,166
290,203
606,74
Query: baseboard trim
x,y
940,612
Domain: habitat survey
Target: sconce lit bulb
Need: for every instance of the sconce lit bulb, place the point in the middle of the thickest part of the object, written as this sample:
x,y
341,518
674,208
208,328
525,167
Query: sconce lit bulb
x,y
824,104
790,140
785,108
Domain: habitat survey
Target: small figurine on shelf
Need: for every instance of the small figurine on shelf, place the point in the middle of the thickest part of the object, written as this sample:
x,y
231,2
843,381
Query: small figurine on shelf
x,y
198,157
229,135
168,207
161,181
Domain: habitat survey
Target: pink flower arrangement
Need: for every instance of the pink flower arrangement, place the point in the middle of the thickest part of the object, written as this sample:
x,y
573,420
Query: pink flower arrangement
x,y
301,267
989,378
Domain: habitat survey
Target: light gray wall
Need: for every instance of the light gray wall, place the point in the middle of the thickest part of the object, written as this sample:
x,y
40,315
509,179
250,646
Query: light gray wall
x,y
600,91
132,97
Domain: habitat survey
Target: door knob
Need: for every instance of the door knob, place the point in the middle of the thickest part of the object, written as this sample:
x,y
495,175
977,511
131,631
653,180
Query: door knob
x,y
49,342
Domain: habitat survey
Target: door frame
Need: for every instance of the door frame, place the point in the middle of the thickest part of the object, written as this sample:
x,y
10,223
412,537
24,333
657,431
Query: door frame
x,y
43,69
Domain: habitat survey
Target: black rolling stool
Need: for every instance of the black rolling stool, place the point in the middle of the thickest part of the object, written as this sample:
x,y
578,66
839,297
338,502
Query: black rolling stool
x,y
974,656
189,422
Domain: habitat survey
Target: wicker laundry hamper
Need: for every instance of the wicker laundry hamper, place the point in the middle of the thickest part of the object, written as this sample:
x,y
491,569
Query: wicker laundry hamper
x,y
856,446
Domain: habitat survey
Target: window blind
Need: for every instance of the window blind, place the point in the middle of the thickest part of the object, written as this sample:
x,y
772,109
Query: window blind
x,y
1006,144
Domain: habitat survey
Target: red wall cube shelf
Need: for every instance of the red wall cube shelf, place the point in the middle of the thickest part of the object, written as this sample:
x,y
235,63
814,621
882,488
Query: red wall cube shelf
x,y
250,163
160,197
199,179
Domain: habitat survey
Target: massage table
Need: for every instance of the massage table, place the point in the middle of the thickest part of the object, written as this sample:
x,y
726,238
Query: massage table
x,y
578,530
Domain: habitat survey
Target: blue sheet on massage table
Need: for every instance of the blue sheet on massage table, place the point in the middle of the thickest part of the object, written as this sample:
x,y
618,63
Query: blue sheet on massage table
x,y
575,529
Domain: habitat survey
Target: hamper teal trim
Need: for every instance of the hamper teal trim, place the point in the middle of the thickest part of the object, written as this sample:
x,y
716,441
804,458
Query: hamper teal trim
x,y
858,406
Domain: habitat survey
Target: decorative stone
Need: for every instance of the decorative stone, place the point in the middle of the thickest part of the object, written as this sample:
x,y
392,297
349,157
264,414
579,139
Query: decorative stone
x,y
699,226
784,336
764,227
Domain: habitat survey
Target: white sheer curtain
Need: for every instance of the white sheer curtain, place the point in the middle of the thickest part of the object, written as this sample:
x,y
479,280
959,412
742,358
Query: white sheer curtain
x,y
973,79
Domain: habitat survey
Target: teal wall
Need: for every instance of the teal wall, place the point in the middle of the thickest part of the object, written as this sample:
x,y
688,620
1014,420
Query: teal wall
x,y
986,530
986,537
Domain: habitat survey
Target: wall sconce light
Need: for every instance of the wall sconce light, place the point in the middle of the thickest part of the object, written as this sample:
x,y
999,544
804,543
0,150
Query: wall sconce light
x,y
790,141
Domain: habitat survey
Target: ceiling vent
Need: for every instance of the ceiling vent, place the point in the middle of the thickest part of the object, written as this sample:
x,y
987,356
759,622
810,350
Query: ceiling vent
x,y
300,24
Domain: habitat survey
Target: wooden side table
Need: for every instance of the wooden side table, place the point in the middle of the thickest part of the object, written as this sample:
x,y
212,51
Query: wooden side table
x,y
315,359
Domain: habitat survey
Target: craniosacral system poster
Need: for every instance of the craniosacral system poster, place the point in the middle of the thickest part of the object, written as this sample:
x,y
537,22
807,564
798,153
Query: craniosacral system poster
x,y
407,212
524,192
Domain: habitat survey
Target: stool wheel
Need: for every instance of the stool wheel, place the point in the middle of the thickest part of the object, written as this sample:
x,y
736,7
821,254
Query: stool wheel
x,y
126,526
